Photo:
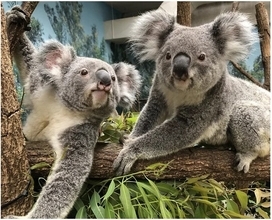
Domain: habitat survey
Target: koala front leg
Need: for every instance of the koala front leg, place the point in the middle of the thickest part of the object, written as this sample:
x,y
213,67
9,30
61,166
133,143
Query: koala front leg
x,y
69,173
153,113
24,49
249,132
171,136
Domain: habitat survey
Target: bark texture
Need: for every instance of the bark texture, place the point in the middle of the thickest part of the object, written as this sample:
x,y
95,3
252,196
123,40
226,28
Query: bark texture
x,y
14,164
184,13
264,33
216,161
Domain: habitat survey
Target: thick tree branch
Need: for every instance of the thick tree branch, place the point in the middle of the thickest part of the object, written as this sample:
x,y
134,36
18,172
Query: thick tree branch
x,y
264,33
216,161
184,13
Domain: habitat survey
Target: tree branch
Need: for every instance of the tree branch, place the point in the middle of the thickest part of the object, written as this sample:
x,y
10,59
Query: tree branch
x,y
264,33
235,6
250,77
184,13
216,161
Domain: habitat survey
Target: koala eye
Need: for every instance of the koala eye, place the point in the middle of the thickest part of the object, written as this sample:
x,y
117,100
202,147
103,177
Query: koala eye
x,y
202,56
168,56
84,72
113,78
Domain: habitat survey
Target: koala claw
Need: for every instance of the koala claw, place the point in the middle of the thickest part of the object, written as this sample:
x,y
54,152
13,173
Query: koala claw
x,y
17,15
123,163
243,162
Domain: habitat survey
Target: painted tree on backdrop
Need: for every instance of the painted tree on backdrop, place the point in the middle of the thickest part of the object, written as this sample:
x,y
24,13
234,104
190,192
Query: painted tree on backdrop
x,y
65,19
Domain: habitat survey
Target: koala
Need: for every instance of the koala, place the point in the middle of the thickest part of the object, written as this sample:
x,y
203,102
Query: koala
x,y
193,99
68,97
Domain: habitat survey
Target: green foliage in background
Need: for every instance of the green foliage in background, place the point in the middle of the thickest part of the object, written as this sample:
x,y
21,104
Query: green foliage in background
x,y
197,197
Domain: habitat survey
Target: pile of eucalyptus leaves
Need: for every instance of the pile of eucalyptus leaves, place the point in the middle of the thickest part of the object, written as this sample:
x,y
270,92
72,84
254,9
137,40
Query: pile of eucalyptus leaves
x,y
197,197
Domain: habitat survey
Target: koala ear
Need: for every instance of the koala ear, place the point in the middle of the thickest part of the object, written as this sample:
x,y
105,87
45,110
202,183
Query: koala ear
x,y
54,56
129,81
149,33
233,34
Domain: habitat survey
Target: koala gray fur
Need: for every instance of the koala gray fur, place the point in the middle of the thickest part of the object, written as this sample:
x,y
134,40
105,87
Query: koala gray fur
x,y
193,98
69,96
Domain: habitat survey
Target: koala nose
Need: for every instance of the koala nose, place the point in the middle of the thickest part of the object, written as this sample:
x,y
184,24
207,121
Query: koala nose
x,y
103,77
181,64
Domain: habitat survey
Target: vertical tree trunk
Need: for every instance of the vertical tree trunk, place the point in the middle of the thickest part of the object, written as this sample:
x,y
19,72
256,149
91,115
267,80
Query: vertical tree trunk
x,y
15,176
184,13
264,32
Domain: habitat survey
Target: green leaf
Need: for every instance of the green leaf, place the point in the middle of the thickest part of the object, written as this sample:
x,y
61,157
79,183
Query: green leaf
x,y
167,188
110,190
180,211
147,187
165,213
199,212
78,204
242,197
39,165
231,205
109,210
234,214
97,210
195,179
82,213
171,207
125,199
207,202
262,213
217,185
143,212
147,203
156,190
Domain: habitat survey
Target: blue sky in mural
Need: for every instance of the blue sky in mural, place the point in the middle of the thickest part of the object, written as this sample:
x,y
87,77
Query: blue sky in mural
x,y
93,13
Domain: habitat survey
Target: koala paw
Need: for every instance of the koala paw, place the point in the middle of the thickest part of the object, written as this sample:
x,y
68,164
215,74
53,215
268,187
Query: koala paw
x,y
244,161
18,16
123,163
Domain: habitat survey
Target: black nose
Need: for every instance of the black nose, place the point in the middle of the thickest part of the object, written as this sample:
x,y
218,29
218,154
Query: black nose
x,y
104,77
181,64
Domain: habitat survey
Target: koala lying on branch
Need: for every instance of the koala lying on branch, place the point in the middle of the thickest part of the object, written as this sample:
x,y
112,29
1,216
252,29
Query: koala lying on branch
x,y
193,98
68,96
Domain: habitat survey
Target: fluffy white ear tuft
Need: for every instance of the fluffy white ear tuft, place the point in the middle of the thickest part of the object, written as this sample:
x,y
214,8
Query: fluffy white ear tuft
x,y
129,81
149,33
233,35
54,56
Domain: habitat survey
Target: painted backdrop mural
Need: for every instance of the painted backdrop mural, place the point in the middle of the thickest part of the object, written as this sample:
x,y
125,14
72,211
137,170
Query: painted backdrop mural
x,y
81,24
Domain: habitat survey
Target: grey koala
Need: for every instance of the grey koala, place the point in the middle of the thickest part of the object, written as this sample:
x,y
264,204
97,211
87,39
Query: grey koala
x,y
69,96
193,98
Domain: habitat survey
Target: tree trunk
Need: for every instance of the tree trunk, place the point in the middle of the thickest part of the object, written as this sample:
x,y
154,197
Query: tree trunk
x,y
264,33
15,177
184,13
16,184
216,161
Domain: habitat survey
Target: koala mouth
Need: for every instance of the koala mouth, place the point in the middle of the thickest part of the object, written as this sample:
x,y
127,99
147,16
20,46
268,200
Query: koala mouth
x,y
100,95
182,84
